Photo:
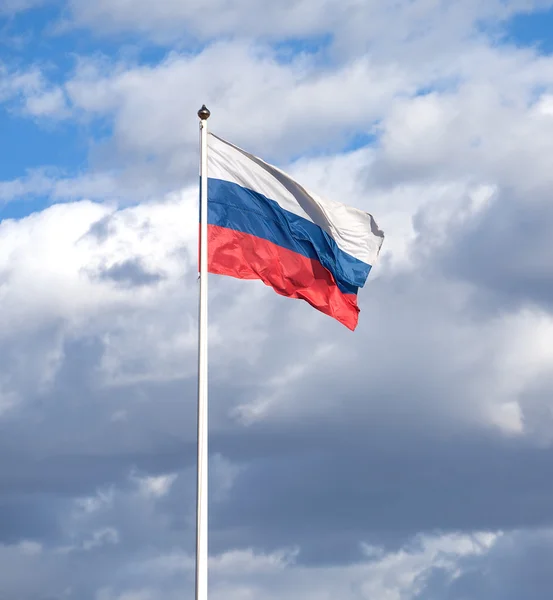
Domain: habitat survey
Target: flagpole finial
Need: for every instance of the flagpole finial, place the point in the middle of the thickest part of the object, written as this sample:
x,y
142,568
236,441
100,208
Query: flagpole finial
x,y
204,113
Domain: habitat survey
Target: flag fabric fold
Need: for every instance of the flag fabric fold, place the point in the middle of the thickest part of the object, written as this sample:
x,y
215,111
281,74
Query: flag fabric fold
x,y
264,225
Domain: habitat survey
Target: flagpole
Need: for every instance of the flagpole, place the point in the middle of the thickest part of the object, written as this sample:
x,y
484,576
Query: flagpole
x,y
202,457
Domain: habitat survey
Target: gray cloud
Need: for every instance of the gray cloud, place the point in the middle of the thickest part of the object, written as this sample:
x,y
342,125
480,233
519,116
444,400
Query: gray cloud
x,y
130,273
507,250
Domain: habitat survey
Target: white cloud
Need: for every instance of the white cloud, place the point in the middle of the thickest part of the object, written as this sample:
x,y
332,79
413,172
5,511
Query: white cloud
x,y
397,575
154,108
156,487
34,95
456,132
357,26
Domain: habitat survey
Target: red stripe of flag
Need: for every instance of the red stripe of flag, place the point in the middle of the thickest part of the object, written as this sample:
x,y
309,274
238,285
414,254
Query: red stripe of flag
x,y
245,256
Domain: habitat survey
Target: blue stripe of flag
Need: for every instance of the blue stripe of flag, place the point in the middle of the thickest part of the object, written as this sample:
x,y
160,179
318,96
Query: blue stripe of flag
x,y
235,207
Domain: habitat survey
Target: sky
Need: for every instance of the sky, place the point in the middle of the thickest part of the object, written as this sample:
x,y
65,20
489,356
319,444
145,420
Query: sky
x,y
408,460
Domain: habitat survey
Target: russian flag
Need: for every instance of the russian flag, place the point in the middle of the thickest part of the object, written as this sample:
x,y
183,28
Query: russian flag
x,y
264,225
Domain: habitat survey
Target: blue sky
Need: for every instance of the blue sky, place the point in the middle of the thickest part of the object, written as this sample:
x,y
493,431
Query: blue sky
x,y
532,29
408,460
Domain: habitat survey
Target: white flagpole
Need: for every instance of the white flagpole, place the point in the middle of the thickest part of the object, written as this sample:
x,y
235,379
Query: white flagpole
x,y
201,491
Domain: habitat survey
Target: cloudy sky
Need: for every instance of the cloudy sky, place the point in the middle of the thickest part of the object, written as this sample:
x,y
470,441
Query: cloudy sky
x,y
409,460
